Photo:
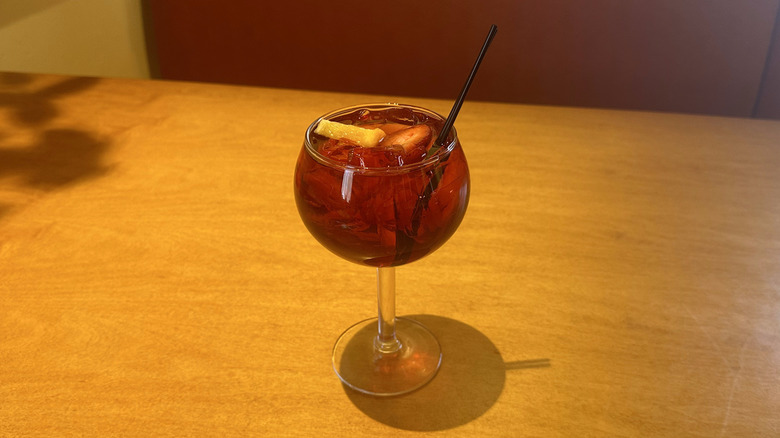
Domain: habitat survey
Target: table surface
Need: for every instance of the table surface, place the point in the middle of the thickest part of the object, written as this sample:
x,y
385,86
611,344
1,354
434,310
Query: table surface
x,y
617,272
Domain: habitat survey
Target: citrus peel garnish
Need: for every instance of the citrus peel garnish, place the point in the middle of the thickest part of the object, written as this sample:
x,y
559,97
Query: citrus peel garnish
x,y
363,137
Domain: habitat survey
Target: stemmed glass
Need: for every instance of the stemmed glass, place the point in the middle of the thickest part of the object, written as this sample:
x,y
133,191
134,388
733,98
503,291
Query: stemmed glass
x,y
383,207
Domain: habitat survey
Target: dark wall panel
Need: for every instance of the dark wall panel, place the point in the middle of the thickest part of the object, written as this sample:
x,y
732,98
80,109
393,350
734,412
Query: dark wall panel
x,y
768,104
699,56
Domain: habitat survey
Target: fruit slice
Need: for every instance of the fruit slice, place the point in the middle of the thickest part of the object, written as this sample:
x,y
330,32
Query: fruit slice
x,y
390,128
417,136
410,138
366,138
414,141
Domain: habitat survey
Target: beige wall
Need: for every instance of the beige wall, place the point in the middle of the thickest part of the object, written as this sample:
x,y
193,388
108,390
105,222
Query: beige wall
x,y
81,37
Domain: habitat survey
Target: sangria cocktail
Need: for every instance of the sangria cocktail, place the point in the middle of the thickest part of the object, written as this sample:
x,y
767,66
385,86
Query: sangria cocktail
x,y
376,185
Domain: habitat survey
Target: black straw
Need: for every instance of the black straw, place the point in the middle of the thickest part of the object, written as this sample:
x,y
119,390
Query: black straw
x,y
445,131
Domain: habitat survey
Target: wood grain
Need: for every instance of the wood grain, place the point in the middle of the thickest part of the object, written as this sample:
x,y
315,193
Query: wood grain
x,y
617,272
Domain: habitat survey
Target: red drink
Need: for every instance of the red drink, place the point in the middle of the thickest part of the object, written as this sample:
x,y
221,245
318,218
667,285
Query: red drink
x,y
385,205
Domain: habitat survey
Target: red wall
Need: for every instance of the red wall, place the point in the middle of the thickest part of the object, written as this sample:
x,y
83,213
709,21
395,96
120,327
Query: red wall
x,y
768,102
697,56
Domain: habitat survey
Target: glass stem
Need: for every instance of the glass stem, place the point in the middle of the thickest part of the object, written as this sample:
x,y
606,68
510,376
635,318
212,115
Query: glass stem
x,y
386,341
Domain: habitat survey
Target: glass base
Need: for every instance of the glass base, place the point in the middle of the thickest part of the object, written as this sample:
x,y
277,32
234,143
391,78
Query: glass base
x,y
363,368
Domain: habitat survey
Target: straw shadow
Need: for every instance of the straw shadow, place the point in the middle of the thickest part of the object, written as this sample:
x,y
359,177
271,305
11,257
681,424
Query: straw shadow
x,y
470,381
528,364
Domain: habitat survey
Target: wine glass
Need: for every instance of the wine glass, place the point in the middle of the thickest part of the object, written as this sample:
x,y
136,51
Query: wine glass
x,y
383,207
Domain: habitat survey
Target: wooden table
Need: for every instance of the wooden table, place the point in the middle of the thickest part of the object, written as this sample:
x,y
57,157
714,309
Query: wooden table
x,y
617,273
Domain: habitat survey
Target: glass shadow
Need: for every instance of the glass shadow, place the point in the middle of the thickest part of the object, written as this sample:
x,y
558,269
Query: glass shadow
x,y
469,382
